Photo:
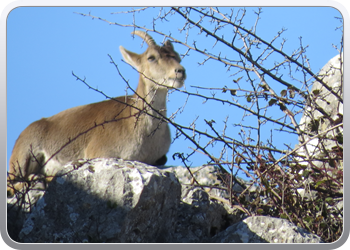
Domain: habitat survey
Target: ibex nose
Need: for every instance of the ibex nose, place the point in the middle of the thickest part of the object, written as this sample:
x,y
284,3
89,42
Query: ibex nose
x,y
180,73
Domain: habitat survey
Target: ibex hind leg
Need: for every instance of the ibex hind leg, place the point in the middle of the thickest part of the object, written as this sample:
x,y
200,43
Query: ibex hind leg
x,y
23,173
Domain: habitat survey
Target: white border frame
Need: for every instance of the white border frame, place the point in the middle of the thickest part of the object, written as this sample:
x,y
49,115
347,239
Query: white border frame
x,y
10,5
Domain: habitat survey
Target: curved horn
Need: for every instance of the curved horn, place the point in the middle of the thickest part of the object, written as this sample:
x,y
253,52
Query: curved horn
x,y
147,38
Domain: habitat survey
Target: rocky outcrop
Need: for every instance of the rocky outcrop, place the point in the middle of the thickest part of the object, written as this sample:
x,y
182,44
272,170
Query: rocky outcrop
x,y
105,200
323,132
324,111
110,200
205,208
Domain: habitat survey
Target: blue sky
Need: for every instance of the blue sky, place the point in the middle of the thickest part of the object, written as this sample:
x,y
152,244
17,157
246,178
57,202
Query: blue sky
x,y
45,44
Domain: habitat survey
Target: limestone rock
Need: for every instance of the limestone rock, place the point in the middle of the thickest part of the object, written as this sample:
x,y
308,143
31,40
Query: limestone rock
x,y
203,211
199,218
211,178
330,144
105,201
109,200
263,229
313,121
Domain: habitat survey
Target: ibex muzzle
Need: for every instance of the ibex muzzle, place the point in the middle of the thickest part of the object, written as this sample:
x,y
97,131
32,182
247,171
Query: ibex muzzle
x,y
126,127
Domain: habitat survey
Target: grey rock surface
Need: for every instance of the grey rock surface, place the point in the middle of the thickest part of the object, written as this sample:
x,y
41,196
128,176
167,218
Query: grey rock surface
x,y
110,200
329,144
211,178
331,74
203,211
102,201
263,229
200,218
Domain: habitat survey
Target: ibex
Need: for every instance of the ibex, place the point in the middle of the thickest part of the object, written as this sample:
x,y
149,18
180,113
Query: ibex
x,y
126,127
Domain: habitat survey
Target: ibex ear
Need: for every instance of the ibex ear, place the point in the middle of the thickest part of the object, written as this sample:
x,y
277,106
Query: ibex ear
x,y
169,44
130,57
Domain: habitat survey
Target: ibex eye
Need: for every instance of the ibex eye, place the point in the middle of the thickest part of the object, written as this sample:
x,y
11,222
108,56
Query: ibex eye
x,y
151,58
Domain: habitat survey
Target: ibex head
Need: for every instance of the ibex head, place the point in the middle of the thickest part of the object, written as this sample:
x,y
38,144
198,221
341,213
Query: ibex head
x,y
159,66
